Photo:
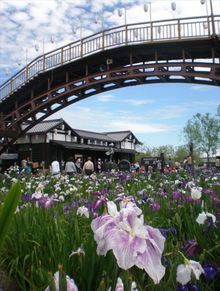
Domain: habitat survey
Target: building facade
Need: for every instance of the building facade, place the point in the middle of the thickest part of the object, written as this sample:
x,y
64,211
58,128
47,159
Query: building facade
x,y
52,139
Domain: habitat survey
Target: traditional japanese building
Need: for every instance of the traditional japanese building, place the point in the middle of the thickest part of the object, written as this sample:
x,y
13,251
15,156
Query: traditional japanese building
x,y
55,138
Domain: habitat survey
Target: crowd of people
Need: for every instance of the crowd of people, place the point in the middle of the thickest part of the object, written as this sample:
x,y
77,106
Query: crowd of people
x,y
72,167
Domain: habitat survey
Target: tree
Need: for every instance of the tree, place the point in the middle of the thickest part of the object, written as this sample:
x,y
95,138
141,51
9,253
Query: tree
x,y
203,132
167,150
182,151
218,110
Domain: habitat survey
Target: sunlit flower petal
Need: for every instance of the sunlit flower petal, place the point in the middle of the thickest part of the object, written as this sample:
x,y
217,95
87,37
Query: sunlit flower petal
x,y
196,193
119,286
202,217
132,242
184,271
183,274
83,211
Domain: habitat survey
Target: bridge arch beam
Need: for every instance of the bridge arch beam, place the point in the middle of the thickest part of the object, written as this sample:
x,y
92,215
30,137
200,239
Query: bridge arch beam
x,y
192,60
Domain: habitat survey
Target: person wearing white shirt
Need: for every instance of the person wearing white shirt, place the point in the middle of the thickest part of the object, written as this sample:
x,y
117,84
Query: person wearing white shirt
x,y
55,169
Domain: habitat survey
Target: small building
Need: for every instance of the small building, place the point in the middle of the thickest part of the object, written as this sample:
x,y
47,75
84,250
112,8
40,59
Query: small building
x,y
55,138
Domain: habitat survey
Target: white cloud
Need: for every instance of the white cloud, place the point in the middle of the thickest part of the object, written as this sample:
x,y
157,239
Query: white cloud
x,y
105,98
26,22
169,112
101,121
139,127
137,102
200,87
206,104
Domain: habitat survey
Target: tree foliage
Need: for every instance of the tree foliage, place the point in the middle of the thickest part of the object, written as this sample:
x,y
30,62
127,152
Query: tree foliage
x,y
203,131
218,110
177,153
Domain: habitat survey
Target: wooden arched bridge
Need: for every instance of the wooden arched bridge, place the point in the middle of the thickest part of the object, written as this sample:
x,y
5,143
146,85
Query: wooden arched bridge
x,y
181,50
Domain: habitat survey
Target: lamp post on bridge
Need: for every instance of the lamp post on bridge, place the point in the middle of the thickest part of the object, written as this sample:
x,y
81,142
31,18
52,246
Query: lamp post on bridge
x,y
74,30
120,13
100,19
146,9
212,14
173,7
37,47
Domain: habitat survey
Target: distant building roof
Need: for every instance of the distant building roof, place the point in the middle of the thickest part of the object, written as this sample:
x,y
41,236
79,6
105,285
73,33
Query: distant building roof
x,y
121,135
118,135
114,136
45,126
93,135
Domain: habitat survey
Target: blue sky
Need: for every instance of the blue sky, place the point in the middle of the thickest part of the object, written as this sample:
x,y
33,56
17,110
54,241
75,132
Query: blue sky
x,y
155,113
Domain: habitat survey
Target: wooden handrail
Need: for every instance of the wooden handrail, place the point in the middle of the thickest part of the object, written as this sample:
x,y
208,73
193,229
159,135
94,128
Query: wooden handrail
x,y
39,64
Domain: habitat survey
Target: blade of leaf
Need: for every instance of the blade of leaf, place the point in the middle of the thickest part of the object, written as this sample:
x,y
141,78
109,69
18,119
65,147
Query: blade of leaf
x,y
8,209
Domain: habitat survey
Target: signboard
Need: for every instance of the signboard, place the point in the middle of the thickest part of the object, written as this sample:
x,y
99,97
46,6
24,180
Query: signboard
x,y
6,156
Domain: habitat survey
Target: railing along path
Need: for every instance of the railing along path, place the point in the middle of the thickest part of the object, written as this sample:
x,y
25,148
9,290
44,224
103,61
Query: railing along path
x,y
145,32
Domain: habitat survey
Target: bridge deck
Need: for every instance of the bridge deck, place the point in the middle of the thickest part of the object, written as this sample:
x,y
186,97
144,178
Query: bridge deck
x,y
176,30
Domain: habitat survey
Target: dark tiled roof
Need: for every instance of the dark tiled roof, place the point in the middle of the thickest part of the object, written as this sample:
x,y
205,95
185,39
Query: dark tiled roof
x,y
121,135
93,135
45,126
118,135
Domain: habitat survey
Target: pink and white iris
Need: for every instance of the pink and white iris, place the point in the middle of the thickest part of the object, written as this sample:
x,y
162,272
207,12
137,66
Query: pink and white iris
x,y
133,243
70,284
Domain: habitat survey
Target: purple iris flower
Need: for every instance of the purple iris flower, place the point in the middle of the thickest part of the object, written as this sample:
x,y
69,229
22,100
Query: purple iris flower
x,y
162,193
27,197
176,195
211,270
188,199
101,199
193,287
42,201
70,206
216,202
217,215
125,177
155,206
46,202
166,231
182,287
144,195
188,287
191,247
209,192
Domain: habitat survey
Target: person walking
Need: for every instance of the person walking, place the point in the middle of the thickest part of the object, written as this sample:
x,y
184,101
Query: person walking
x,y
25,167
70,168
55,168
189,163
99,166
88,167
78,165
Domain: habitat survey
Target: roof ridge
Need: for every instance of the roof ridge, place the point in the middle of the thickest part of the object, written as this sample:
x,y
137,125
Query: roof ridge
x,y
51,120
88,131
120,131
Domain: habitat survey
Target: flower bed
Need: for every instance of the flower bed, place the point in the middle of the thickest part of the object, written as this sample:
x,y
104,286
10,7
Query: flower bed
x,y
120,230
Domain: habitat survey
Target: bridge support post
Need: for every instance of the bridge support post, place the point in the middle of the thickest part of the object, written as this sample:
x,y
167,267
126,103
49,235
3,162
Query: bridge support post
x,y
212,18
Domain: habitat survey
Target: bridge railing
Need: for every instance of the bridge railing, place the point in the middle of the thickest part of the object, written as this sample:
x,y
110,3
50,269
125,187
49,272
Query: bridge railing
x,y
146,32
